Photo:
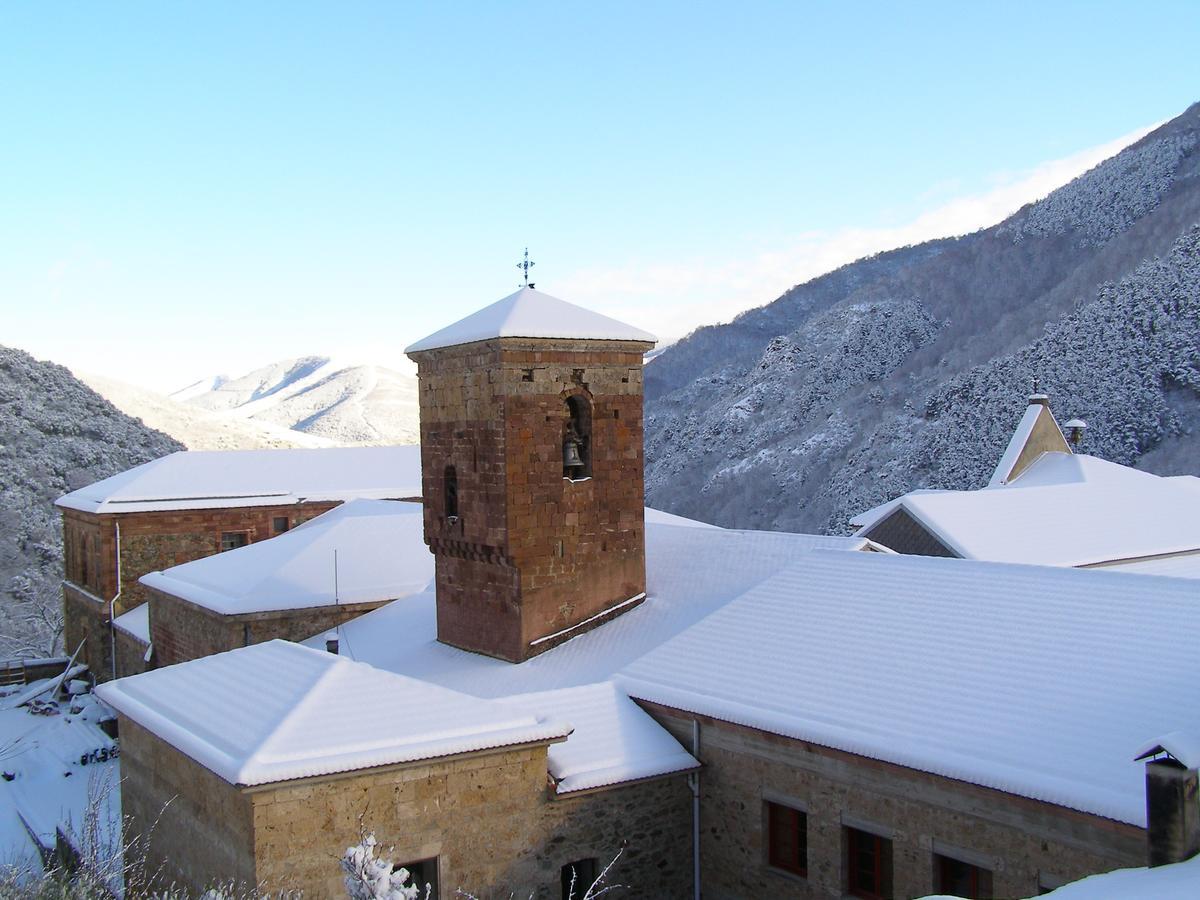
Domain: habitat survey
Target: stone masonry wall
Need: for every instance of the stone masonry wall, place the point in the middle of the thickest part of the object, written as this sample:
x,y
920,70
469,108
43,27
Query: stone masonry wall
x,y
181,630
86,621
150,541
197,827
531,552
1022,841
490,821
131,654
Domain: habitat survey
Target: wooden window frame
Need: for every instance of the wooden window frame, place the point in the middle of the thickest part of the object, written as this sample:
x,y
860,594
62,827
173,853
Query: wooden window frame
x,y
773,812
855,841
221,548
980,877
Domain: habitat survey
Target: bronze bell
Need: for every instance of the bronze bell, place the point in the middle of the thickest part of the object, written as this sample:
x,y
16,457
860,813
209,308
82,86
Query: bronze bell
x,y
571,457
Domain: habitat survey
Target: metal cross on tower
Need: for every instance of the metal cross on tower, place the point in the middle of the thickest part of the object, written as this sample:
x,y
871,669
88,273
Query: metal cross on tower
x,y
525,266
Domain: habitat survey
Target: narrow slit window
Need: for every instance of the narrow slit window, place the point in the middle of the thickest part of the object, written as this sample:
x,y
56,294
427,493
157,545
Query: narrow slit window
x,y
450,479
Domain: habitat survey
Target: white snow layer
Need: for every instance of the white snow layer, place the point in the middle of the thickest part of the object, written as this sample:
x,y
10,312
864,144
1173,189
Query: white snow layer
x,y
532,314
614,740
206,479
1038,681
136,622
1183,745
1180,881
1064,510
380,555
278,711
1017,443
691,572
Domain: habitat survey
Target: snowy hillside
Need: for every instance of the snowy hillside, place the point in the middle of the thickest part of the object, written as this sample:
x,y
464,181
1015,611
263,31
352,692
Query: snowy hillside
x,y
192,426
318,397
56,435
910,369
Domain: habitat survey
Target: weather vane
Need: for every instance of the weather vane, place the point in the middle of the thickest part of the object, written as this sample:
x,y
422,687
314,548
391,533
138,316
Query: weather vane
x,y
525,266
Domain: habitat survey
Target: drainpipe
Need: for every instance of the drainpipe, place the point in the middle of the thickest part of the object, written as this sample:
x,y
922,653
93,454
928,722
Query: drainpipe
x,y
694,784
112,607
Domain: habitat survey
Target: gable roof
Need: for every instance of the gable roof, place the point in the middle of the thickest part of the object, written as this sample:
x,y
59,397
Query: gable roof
x,y
531,314
380,555
1063,510
1038,681
217,479
1036,433
279,711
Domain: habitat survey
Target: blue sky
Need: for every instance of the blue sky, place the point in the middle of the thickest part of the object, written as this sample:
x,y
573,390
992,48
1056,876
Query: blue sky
x,y
204,187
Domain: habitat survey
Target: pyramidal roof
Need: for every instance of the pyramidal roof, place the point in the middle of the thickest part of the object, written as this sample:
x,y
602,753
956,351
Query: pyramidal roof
x,y
278,711
531,314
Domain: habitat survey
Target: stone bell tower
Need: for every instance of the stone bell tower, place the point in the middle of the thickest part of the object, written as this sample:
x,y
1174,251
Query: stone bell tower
x,y
531,457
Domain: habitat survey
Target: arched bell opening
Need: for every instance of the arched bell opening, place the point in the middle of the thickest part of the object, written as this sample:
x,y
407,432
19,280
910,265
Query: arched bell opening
x,y
577,438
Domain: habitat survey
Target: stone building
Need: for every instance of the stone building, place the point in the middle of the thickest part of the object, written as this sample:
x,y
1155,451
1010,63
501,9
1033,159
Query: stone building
x,y
1048,505
780,715
327,571
193,504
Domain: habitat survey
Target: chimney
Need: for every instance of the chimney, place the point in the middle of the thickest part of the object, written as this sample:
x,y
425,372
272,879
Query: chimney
x,y
1077,428
331,642
1172,804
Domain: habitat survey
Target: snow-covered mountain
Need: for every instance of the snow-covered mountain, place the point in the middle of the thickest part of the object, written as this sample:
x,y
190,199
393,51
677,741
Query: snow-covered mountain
x,y
910,369
194,427
318,397
56,435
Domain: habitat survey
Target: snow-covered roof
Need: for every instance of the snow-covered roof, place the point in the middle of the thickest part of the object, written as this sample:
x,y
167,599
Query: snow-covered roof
x,y
214,479
1038,681
658,517
1180,881
690,573
380,555
1015,445
278,711
614,740
1063,510
136,622
1185,565
531,314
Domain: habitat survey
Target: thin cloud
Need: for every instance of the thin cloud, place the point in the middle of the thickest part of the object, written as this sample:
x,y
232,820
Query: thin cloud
x,y
674,298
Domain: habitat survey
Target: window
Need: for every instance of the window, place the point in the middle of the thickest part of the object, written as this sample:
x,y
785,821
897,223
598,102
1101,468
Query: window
x,y
868,864
577,877
787,839
280,524
450,490
961,878
577,439
231,540
424,872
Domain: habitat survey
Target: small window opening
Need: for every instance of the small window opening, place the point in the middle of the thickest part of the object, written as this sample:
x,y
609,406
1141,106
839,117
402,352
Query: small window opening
x,y
231,540
450,487
578,877
527,374
961,879
787,839
577,449
577,376
280,524
868,864
423,873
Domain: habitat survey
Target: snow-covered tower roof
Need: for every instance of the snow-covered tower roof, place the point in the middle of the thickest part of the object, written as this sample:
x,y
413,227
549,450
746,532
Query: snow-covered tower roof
x,y
529,313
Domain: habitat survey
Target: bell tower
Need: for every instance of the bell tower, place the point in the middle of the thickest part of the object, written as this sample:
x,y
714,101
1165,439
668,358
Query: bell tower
x,y
531,459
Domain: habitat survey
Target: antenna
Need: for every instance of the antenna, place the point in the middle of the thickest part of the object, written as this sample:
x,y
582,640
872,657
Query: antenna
x,y
525,265
336,601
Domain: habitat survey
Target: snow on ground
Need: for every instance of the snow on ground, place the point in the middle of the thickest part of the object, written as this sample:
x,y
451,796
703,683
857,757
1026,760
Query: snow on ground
x,y
51,764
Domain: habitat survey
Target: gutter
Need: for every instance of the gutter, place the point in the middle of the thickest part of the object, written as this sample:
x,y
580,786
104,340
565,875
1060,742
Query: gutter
x,y
112,606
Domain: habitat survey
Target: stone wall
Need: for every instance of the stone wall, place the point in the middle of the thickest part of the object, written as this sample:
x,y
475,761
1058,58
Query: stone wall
x,y
490,819
530,552
131,654
149,541
181,630
196,828
86,621
1025,843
